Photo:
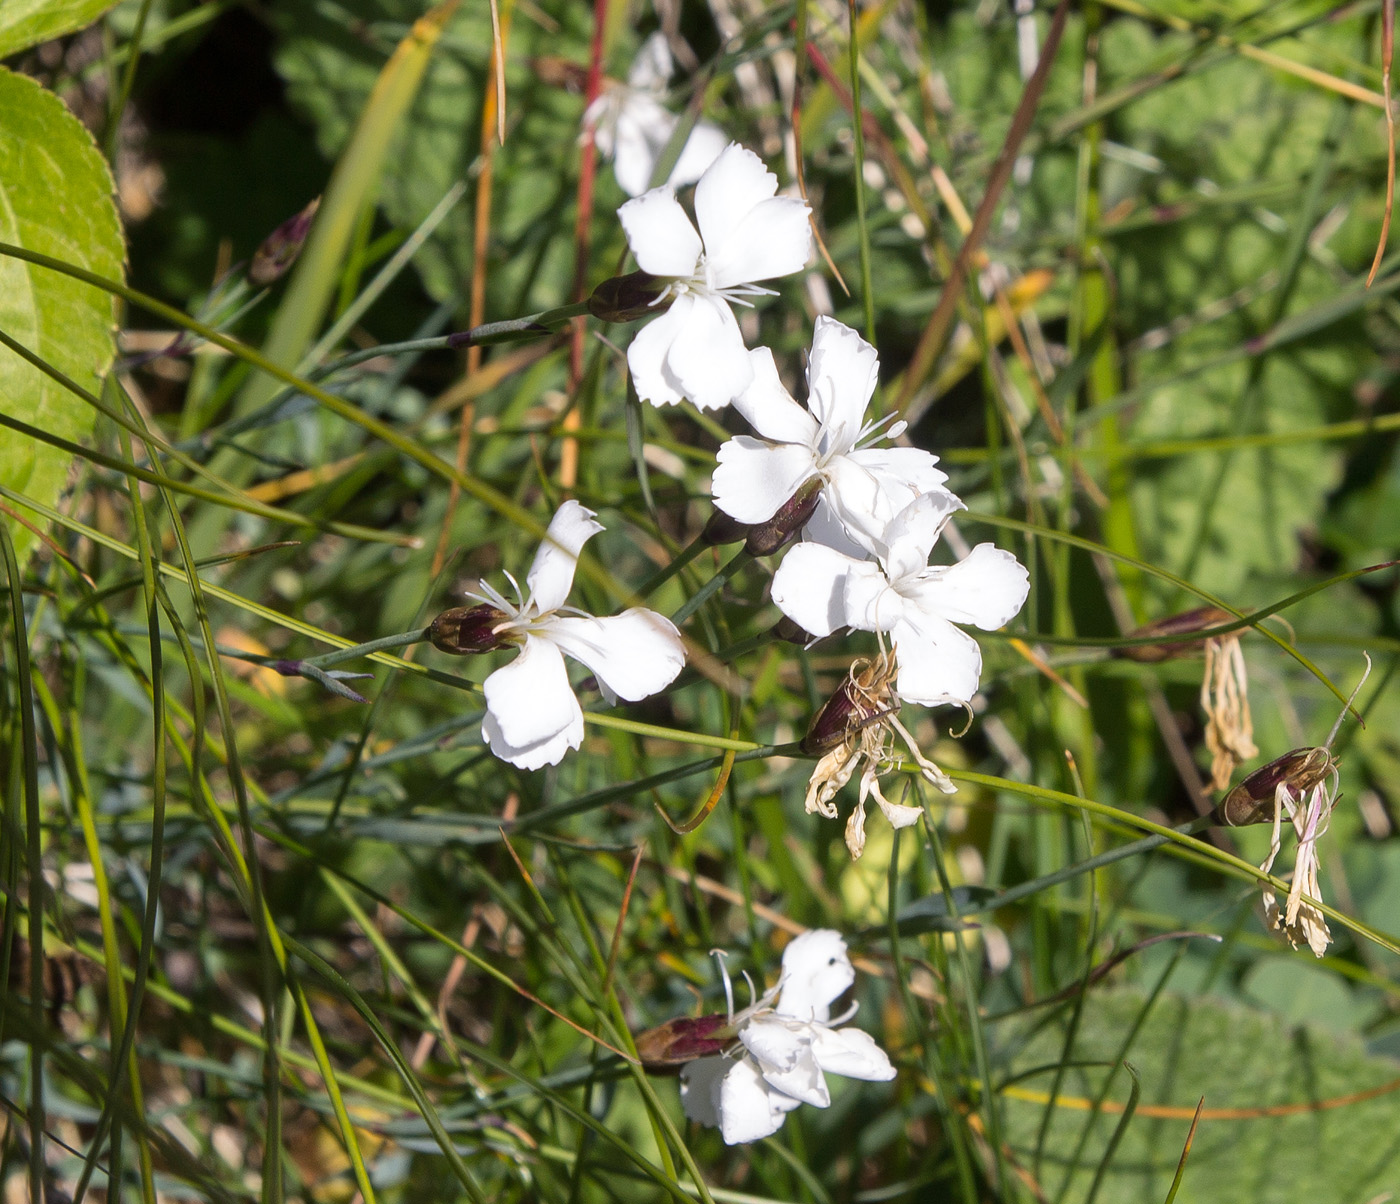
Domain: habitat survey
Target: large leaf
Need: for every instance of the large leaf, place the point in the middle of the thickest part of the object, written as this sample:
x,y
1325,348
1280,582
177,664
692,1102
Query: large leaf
x,y
1237,1058
25,23
55,199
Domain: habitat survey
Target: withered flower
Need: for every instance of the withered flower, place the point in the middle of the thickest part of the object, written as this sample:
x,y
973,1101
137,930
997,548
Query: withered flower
x,y
857,723
1301,784
1224,687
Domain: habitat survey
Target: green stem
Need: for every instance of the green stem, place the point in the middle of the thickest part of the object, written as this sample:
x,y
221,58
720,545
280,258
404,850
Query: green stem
x,y
867,287
401,640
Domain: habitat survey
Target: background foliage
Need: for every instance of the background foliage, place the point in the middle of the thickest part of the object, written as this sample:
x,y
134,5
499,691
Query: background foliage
x,y
361,957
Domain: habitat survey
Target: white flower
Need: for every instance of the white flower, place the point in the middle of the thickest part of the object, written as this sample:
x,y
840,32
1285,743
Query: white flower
x,y
532,716
747,233
631,127
822,589
862,487
788,1048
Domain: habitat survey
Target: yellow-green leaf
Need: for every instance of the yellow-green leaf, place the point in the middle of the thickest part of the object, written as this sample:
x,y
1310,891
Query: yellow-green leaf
x,y
56,200
25,23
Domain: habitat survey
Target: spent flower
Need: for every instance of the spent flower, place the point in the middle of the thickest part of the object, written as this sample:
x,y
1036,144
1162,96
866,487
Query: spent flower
x,y
747,233
532,716
788,1043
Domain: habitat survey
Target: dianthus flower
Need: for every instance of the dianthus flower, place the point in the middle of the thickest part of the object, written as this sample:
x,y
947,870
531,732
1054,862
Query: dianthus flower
x,y
631,127
899,593
789,1043
747,233
532,717
862,487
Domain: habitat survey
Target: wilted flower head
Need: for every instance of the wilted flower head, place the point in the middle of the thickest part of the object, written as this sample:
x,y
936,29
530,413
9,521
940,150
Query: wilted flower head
x,y
632,128
788,1043
900,594
1301,784
532,717
857,724
1225,700
747,233
828,440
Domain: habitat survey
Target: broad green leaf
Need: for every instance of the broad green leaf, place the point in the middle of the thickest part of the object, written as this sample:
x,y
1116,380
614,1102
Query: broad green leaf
x,y
1235,1057
25,23
55,199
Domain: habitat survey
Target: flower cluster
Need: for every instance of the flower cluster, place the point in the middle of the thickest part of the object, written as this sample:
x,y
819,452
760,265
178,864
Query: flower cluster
x,y
787,1043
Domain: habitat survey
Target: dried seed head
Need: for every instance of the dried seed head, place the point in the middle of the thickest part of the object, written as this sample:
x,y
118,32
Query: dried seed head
x,y
1187,623
279,250
1253,800
766,538
627,298
862,696
669,1046
466,630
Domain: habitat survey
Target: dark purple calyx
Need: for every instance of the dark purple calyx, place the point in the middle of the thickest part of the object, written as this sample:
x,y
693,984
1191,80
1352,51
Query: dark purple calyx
x,y
466,630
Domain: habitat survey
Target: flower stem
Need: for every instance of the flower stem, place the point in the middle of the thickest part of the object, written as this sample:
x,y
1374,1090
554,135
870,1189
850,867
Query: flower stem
x,y
663,575
711,587
401,640
512,329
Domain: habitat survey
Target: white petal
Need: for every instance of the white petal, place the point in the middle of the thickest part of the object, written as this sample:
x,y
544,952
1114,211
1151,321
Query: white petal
x,y
748,1107
906,468
914,530
986,588
753,478
841,377
651,69
532,716
660,235
816,971
937,662
633,654
700,1082
869,601
642,129
646,357
705,144
707,358
784,1056
774,239
551,575
769,408
734,183
824,527
810,587
851,1052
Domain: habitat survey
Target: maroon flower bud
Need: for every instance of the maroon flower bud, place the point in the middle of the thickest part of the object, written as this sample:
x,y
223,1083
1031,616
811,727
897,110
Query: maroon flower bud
x,y
767,538
683,1040
1252,801
723,529
1187,623
279,250
627,298
790,633
465,630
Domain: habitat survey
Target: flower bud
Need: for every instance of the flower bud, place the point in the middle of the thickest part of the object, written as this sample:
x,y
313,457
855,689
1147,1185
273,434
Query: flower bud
x,y
832,724
723,529
1252,801
683,1040
767,538
790,633
627,298
1186,623
465,630
279,250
